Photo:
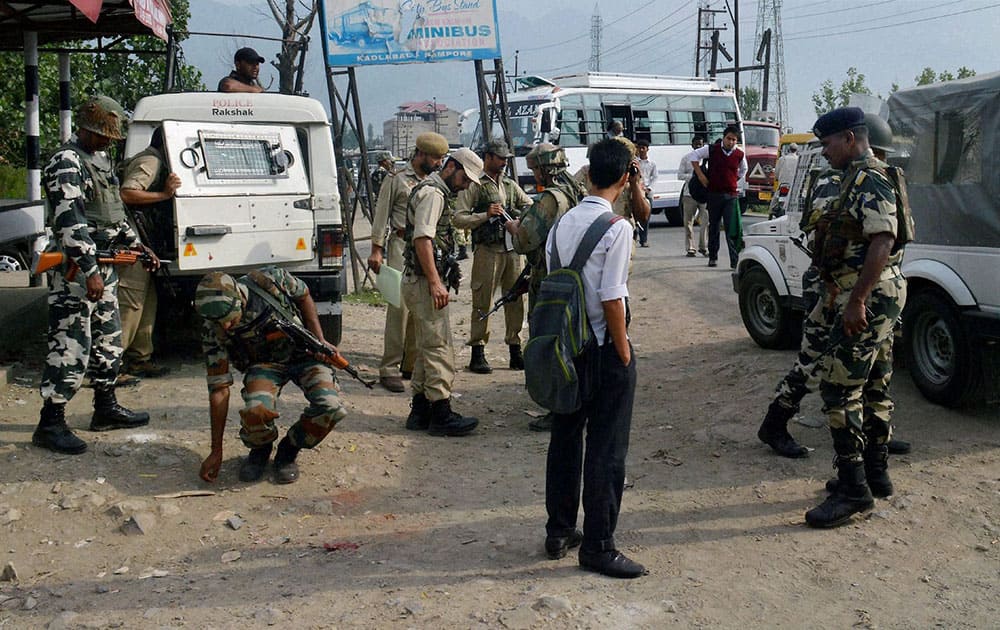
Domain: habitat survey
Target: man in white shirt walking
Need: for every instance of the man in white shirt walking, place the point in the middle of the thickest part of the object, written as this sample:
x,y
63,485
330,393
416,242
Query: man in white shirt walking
x,y
693,209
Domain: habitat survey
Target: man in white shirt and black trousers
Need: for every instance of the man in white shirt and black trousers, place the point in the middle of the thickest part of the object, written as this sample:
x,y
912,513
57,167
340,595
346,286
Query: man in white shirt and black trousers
x,y
609,390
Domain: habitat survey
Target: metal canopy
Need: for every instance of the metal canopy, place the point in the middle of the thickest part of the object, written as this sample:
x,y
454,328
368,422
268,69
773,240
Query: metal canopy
x,y
62,20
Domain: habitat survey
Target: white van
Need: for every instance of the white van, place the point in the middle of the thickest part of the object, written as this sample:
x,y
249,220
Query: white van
x,y
945,137
259,187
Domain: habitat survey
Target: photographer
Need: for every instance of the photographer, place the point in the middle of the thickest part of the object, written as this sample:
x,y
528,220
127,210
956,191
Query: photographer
x,y
481,208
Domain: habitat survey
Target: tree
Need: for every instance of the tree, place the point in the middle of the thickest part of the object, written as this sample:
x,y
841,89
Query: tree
x,y
125,78
294,35
827,97
749,100
928,76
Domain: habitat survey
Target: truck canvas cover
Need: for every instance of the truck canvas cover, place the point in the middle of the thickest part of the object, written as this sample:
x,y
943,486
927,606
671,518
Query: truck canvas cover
x,y
946,137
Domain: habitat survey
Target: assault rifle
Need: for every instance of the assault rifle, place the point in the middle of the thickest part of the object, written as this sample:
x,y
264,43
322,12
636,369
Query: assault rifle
x,y
520,288
798,242
306,341
44,261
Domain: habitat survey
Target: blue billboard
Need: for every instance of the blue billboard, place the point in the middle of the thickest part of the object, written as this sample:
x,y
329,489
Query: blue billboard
x,y
381,32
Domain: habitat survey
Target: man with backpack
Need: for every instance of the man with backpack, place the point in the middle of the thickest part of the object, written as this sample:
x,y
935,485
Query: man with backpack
x,y
727,165
603,365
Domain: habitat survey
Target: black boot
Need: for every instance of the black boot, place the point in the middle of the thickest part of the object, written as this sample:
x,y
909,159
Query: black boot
x,y
516,358
478,362
851,496
252,468
876,472
108,414
774,432
285,468
463,253
52,432
898,447
445,422
420,413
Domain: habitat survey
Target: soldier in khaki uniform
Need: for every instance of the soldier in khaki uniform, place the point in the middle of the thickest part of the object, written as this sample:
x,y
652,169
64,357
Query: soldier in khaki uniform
x,y
399,350
146,184
481,208
632,203
430,264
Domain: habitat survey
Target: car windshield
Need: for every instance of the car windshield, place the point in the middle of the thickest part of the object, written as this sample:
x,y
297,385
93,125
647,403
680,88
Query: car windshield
x,y
761,136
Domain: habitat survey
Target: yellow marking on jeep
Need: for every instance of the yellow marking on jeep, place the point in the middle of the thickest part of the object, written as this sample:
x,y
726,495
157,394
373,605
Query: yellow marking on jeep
x,y
189,250
301,244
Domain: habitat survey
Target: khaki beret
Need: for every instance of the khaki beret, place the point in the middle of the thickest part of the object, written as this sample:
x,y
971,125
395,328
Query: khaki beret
x,y
432,144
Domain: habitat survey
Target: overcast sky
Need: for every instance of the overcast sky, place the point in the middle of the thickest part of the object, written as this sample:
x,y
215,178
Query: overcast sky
x,y
889,41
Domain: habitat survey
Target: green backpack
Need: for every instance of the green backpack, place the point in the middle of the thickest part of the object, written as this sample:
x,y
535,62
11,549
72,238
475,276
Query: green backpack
x,y
559,330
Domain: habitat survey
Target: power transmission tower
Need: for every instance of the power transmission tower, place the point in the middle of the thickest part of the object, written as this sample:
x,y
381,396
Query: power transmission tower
x,y
703,41
773,93
596,28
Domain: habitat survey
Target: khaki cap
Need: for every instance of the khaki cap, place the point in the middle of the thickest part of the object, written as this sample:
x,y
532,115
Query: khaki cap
x,y
470,162
432,144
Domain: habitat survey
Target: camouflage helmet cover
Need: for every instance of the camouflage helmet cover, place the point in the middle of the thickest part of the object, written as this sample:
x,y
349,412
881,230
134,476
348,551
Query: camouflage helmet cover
x,y
879,133
217,298
546,154
102,115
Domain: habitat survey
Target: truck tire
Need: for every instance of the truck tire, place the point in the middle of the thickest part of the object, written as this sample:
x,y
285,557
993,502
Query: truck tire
x,y
770,323
12,260
675,216
943,363
332,326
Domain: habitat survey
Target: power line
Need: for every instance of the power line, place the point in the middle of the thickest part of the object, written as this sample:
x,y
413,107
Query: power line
x,y
587,34
622,47
841,10
820,34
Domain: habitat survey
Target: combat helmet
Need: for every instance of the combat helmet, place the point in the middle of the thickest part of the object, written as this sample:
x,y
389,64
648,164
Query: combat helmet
x,y
879,133
547,155
217,298
102,115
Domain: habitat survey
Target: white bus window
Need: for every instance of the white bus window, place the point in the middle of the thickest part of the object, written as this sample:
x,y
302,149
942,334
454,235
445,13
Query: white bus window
x,y
572,127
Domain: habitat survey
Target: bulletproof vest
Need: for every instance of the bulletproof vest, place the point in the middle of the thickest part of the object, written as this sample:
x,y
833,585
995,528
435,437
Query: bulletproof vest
x,y
492,231
249,342
106,208
444,233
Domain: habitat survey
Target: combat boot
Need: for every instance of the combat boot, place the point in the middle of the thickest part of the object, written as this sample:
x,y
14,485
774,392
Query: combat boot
x,y
851,496
773,431
109,415
252,468
516,358
445,422
285,468
463,253
420,413
876,472
52,432
478,362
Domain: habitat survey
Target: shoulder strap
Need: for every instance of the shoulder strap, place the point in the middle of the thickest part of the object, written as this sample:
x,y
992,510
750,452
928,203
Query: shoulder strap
x,y
261,292
588,243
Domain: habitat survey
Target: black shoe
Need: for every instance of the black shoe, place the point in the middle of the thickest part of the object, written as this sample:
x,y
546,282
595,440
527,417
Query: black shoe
x,y
463,253
541,424
516,358
611,563
898,447
877,470
713,263
773,431
109,415
690,254
285,468
53,434
703,252
253,467
557,546
445,422
420,413
851,496
478,362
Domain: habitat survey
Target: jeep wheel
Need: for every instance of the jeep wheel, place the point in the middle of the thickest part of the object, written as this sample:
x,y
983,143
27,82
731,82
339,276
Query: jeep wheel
x,y
675,216
942,362
11,260
769,322
332,326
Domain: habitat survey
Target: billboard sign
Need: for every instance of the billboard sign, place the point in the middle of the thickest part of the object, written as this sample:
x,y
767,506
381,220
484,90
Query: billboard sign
x,y
383,32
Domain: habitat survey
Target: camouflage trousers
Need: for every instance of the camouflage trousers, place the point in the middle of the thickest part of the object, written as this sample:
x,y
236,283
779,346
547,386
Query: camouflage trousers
x,y
803,377
857,370
262,385
84,337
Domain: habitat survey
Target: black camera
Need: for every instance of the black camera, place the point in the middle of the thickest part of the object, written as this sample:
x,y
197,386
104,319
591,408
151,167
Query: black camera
x,y
633,170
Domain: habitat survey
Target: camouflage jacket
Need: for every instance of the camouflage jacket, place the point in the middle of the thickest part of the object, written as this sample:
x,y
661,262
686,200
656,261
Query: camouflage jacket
x,y
245,344
69,187
823,191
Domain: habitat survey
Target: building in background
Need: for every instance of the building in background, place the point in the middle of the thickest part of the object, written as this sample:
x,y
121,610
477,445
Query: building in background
x,y
400,132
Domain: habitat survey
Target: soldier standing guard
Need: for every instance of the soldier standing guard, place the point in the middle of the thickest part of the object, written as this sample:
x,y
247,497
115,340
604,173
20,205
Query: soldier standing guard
x,y
430,269
481,208
84,334
858,252
399,346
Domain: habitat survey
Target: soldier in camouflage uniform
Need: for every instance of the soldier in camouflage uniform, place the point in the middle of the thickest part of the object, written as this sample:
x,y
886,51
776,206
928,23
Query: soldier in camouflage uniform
x,y
428,265
859,247
388,229
560,192
480,208
84,334
239,329
386,162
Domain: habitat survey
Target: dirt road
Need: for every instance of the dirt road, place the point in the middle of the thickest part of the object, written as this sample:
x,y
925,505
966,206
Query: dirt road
x,y
389,528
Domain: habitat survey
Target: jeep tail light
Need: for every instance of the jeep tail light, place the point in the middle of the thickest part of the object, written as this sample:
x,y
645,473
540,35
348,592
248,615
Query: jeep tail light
x,y
783,190
330,245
